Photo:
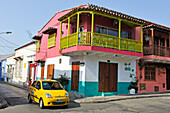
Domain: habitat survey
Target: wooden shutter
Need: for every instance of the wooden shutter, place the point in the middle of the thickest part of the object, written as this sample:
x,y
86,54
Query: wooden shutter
x,y
38,45
75,76
51,40
42,72
50,71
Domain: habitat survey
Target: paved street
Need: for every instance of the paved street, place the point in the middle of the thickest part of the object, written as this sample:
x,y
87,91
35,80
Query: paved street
x,y
18,104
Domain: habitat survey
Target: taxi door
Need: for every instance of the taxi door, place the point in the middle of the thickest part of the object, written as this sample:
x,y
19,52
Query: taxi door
x,y
37,92
32,88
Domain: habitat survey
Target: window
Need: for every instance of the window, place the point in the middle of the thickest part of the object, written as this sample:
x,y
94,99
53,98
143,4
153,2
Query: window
x,y
146,39
105,30
74,30
51,85
33,84
162,42
38,86
113,32
38,43
125,34
150,73
51,40
167,42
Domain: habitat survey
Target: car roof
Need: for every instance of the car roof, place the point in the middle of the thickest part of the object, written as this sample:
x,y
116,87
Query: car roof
x,y
47,80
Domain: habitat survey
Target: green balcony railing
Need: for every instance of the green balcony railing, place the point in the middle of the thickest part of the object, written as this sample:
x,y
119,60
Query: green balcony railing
x,y
100,40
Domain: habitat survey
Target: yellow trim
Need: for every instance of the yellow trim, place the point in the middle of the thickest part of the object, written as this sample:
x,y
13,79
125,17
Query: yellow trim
x,y
68,30
92,28
38,45
142,38
101,40
78,19
119,32
60,29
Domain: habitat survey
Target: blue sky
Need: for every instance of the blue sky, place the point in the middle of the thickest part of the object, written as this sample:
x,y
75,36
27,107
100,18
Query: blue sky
x,y
24,17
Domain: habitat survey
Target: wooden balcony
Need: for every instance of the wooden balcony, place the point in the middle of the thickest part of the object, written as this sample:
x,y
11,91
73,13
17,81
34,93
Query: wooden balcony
x,y
156,50
100,40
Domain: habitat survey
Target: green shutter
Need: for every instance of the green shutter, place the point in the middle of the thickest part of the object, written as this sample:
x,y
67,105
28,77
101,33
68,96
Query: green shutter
x,y
38,45
51,40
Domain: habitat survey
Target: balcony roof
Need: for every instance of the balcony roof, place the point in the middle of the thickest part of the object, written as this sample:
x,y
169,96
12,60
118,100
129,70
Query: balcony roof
x,y
36,37
50,30
90,7
153,25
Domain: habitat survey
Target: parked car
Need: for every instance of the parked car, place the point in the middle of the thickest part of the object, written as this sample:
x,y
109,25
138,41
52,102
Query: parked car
x,y
48,93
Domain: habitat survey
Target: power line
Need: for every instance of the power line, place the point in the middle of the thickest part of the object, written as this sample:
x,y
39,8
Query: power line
x,y
8,41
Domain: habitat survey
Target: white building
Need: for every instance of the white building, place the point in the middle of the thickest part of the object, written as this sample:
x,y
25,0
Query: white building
x,y
24,56
10,63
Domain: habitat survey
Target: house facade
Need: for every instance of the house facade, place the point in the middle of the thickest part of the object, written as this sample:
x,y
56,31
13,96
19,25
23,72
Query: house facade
x,y
3,69
10,63
96,47
153,70
24,63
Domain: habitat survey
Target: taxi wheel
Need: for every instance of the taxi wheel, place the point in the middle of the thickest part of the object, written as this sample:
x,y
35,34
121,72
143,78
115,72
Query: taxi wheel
x,y
29,99
41,104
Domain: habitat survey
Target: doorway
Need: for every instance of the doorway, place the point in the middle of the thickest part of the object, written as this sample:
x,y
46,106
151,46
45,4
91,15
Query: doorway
x,y
107,77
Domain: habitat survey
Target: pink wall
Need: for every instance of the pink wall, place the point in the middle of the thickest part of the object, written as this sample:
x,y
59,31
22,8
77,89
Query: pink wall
x,y
85,21
53,51
160,79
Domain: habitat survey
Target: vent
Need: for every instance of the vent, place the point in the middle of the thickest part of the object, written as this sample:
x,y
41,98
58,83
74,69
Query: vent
x,y
156,88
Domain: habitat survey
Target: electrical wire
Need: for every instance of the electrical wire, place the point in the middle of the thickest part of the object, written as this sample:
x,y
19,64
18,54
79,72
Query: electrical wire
x,y
8,41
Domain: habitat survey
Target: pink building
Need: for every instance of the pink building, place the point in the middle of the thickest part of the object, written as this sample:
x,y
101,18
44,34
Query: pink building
x,y
153,70
96,47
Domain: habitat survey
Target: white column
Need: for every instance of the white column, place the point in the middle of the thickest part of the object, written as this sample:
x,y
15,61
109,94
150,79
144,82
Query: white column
x,y
38,71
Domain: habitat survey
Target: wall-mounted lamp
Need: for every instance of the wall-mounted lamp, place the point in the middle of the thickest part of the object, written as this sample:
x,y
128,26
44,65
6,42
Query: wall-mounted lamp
x,y
127,64
82,63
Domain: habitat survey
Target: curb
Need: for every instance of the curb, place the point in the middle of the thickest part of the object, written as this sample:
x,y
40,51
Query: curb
x,y
118,99
3,103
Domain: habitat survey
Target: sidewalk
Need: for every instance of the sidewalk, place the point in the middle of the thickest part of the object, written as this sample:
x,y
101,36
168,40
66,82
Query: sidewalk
x,y
3,103
101,99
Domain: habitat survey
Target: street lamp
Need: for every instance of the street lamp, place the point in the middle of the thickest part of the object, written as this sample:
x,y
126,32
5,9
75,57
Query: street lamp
x,y
6,32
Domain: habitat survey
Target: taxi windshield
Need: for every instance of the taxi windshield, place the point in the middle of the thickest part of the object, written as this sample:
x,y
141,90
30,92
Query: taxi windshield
x,y
48,85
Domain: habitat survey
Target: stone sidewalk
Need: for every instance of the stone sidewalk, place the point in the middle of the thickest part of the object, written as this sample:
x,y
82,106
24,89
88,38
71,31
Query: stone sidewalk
x,y
101,99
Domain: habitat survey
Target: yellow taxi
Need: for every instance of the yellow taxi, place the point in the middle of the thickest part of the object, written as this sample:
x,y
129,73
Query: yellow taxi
x,y
48,93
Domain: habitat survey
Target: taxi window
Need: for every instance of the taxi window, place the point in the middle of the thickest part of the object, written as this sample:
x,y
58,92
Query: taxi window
x,y
38,86
48,85
33,84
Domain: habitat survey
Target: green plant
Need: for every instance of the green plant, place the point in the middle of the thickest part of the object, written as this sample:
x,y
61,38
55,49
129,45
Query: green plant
x,y
30,79
133,84
63,79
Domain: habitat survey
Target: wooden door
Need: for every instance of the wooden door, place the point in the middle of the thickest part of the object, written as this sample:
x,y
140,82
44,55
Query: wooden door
x,y
168,79
42,72
50,71
75,76
113,77
107,77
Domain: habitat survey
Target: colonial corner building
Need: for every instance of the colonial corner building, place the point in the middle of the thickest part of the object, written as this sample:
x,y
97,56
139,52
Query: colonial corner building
x,y
102,51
